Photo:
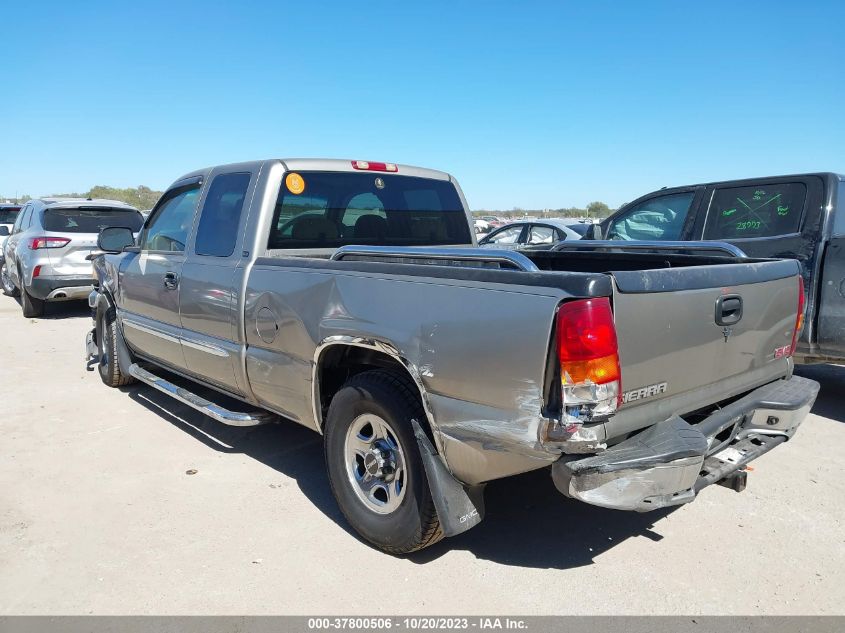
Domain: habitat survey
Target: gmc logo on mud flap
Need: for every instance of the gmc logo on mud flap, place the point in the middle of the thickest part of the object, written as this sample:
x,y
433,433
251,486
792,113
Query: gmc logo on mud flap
x,y
644,392
468,516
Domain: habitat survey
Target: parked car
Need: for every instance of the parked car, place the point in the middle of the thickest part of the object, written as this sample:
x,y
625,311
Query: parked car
x,y
493,222
8,214
371,320
45,255
581,228
799,216
528,233
481,227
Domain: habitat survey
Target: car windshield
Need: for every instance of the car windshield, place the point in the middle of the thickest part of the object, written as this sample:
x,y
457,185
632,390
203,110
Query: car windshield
x,y
91,220
8,214
580,228
331,209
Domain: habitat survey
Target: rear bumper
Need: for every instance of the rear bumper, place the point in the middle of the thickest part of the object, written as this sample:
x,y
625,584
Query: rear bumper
x,y
670,462
61,288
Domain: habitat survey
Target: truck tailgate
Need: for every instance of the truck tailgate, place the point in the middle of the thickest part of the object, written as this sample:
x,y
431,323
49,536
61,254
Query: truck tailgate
x,y
690,337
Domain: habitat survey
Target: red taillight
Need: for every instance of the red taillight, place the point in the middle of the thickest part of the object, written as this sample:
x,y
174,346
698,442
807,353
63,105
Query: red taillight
x,y
36,272
369,166
799,320
586,341
48,242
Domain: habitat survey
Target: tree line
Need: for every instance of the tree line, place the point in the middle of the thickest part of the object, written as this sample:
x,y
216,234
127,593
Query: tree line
x,y
593,210
140,197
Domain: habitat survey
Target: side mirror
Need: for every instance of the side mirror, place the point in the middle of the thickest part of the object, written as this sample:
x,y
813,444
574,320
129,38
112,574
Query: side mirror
x,y
4,231
593,232
114,239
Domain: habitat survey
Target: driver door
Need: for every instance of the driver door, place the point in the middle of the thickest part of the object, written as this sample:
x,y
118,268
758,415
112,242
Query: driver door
x,y
150,276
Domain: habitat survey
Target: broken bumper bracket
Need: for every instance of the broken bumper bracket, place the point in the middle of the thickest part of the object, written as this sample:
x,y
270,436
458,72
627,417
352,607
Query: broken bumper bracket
x,y
672,461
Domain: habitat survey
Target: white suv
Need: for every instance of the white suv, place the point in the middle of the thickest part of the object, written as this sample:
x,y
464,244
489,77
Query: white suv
x,y
44,257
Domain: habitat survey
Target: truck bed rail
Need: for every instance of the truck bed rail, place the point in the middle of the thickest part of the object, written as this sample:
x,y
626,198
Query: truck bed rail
x,y
471,257
696,247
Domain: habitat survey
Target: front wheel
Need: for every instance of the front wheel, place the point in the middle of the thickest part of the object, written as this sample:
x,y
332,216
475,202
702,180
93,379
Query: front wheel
x,y
9,287
374,465
107,344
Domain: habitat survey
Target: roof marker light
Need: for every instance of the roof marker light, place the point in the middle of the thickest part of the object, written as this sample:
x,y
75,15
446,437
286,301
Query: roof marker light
x,y
364,165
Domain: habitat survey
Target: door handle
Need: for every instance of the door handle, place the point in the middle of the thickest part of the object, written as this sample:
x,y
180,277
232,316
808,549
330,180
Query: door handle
x,y
171,280
728,310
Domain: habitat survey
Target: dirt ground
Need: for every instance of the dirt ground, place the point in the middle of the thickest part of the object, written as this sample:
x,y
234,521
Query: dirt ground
x,y
98,515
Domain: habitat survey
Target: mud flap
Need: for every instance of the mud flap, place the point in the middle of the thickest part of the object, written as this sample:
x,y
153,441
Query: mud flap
x,y
459,508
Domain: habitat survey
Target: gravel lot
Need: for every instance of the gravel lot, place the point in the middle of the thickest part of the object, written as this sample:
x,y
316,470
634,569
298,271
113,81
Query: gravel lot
x,y
98,515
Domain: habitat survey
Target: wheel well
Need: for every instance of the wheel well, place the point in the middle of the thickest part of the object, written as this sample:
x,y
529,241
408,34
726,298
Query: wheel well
x,y
339,363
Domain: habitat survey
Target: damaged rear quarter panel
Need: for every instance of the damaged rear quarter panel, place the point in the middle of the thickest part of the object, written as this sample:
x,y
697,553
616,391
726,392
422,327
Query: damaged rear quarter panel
x,y
479,350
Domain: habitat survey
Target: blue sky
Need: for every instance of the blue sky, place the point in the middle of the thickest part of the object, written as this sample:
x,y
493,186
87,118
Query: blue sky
x,y
529,104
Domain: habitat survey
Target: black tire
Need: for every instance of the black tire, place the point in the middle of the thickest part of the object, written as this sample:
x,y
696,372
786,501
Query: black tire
x,y
109,367
9,287
32,306
414,524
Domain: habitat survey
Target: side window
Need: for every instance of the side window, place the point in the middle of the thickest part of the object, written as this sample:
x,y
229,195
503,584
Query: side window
x,y
542,235
364,217
16,227
508,235
171,221
660,218
221,215
763,211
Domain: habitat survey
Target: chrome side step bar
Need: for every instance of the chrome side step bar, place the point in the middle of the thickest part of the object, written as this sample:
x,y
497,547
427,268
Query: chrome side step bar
x,y
215,411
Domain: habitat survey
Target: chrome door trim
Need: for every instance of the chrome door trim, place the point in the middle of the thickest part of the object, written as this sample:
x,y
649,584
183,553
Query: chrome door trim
x,y
149,330
205,347
201,346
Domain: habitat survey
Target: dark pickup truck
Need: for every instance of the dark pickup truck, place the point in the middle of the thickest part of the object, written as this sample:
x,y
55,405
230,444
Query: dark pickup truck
x,y
797,217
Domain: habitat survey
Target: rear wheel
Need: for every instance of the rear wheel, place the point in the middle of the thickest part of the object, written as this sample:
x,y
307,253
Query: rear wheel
x,y
32,306
9,288
374,465
107,343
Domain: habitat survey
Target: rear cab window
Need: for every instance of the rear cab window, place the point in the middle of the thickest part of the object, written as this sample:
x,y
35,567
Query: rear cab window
x,y
332,209
755,211
90,220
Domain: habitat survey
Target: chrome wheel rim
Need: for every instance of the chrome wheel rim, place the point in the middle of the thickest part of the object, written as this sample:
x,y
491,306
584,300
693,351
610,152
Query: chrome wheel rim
x,y
5,279
375,463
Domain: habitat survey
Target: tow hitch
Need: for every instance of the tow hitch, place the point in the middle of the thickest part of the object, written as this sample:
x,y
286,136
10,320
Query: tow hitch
x,y
736,481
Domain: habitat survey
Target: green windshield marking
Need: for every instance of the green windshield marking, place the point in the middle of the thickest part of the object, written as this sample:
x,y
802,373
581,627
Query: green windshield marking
x,y
729,211
783,210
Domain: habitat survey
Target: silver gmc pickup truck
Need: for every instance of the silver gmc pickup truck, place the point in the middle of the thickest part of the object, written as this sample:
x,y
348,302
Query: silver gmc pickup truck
x,y
350,297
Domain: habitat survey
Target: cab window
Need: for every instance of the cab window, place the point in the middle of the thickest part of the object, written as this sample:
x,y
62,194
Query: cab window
x,y
217,232
506,235
760,211
659,218
542,235
364,217
331,209
170,222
